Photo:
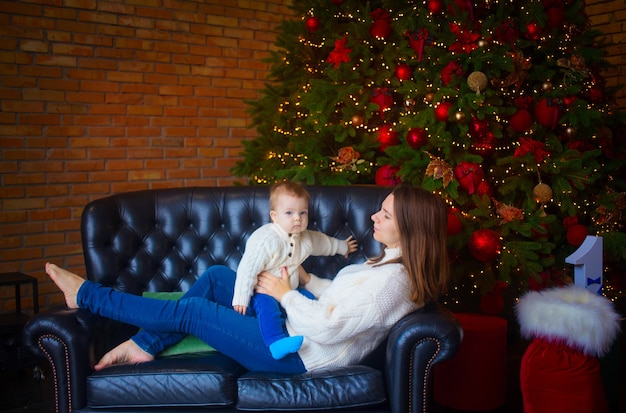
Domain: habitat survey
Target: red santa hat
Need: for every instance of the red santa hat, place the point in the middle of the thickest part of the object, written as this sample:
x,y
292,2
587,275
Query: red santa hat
x,y
571,328
570,315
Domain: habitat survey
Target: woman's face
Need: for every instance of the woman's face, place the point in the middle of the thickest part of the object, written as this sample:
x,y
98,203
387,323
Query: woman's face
x,y
385,225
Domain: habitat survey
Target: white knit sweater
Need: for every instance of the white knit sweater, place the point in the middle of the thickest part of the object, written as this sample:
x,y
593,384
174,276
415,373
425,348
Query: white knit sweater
x,y
352,314
270,248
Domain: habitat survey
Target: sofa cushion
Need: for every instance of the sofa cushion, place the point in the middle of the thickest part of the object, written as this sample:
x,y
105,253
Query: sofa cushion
x,y
333,388
189,344
206,379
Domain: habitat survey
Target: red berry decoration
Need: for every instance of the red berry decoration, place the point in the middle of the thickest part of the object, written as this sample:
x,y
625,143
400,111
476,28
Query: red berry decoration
x,y
387,175
484,245
387,137
442,111
313,24
404,71
521,121
416,138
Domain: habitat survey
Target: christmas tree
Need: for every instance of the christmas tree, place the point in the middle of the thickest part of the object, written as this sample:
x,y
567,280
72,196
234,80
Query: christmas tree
x,y
499,106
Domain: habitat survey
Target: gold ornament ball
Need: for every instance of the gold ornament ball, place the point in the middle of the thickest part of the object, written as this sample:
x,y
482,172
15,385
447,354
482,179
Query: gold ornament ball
x,y
357,120
542,193
477,81
429,97
547,86
459,117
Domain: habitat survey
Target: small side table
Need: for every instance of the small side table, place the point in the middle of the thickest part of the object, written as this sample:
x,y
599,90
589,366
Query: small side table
x,y
13,354
18,319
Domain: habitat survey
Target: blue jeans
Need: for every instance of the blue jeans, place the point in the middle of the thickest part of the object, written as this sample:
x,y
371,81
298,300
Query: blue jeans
x,y
204,311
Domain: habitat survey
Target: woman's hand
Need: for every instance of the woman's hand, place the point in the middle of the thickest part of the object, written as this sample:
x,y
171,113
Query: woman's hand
x,y
272,285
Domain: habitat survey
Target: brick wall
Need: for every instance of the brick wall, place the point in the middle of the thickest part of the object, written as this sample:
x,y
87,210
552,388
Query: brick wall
x,y
609,16
105,96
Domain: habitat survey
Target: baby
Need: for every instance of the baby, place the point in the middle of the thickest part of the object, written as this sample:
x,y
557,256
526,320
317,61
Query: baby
x,y
284,243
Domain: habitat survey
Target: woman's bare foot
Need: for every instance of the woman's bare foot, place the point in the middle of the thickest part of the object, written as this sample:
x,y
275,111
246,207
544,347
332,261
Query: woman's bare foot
x,y
127,352
68,283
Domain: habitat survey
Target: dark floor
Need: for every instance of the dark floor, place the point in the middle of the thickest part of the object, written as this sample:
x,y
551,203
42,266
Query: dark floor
x,y
23,390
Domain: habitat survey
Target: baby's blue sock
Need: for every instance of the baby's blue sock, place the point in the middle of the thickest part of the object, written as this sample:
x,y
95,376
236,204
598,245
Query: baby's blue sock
x,y
284,346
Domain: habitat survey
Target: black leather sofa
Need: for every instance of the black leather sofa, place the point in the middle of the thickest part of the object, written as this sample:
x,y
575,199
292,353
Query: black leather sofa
x,y
161,240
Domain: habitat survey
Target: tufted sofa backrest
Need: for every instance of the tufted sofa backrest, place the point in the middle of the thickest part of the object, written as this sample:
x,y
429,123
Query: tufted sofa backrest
x,y
163,239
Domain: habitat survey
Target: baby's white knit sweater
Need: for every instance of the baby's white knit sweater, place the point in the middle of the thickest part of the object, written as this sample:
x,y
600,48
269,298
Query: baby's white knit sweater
x,y
270,248
352,314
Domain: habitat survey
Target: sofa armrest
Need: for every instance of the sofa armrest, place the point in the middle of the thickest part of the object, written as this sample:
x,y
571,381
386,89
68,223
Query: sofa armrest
x,y
416,343
64,337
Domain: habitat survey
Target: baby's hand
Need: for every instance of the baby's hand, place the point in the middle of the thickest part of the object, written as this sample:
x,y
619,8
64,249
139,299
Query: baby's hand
x,y
241,309
352,245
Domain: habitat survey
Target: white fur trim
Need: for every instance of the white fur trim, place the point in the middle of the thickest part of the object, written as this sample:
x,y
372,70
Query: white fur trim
x,y
573,315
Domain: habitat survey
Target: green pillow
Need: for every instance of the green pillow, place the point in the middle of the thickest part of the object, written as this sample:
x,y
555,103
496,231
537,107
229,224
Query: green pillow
x,y
189,344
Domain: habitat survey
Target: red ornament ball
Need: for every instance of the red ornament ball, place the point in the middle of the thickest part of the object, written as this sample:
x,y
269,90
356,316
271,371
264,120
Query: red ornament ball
x,y
387,137
416,138
381,29
576,234
442,111
533,31
387,175
484,245
435,6
313,24
455,226
547,113
521,121
404,71
469,175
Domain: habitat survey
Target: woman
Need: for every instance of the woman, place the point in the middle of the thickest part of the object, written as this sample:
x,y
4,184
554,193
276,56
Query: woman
x,y
351,316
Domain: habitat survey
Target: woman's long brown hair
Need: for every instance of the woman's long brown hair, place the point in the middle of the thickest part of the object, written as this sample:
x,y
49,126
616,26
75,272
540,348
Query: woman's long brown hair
x,y
422,219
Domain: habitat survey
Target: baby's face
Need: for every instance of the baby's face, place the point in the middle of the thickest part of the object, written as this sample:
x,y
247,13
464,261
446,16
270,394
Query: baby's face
x,y
291,213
